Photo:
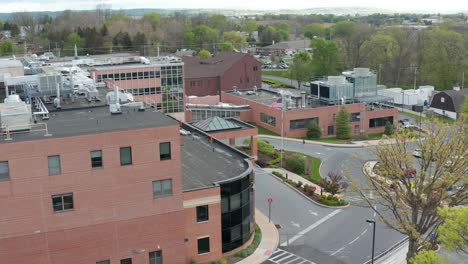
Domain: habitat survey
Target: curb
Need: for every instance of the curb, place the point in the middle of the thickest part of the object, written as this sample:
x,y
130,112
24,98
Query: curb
x,y
316,142
310,199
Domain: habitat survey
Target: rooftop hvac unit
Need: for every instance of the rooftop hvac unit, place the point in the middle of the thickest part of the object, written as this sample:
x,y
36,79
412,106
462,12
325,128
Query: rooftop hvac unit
x,y
15,114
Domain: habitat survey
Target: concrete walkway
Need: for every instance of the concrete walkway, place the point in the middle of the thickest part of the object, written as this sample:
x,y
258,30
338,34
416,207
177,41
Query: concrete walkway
x,y
269,243
354,144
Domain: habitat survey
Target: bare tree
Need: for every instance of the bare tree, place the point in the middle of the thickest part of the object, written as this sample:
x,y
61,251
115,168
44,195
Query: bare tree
x,y
413,188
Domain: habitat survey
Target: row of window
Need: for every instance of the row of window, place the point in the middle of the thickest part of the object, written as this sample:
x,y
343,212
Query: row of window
x,y
155,257
161,188
130,76
55,167
199,115
302,123
144,91
267,119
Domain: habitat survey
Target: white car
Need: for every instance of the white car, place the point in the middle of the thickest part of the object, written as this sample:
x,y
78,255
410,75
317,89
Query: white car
x,y
417,153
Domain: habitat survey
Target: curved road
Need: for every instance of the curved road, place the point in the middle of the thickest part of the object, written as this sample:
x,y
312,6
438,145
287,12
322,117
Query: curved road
x,y
313,234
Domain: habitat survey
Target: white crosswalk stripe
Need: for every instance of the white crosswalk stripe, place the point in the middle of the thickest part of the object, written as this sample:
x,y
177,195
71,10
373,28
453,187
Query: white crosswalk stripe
x,y
281,256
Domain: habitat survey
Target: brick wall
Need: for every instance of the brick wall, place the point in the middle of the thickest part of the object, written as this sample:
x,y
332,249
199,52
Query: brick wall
x,y
114,216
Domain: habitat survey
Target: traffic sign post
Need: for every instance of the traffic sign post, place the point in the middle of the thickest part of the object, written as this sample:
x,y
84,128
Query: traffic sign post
x,y
270,200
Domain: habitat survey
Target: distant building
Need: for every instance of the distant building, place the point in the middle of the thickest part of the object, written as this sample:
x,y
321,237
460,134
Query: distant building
x,y
449,103
158,83
285,48
225,71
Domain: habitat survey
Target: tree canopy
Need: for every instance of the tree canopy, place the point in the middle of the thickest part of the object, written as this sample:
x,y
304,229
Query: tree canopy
x,y
413,190
343,127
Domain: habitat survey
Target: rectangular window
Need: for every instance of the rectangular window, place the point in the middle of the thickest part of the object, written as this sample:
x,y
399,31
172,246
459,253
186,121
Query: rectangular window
x,y
302,123
125,156
355,117
202,213
103,262
4,170
126,261
204,245
267,119
54,165
162,188
165,151
255,68
62,202
96,159
380,122
155,257
331,130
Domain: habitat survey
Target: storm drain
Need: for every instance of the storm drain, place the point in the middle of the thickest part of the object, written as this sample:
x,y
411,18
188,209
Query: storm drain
x,y
278,226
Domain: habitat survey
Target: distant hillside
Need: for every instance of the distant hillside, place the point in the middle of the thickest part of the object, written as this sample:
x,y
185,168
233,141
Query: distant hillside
x,y
238,12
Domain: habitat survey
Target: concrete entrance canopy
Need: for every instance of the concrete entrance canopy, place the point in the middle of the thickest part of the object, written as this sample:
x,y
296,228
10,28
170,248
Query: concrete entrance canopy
x,y
229,128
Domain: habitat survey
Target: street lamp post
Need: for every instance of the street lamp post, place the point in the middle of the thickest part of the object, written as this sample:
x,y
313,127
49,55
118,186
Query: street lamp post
x,y
373,238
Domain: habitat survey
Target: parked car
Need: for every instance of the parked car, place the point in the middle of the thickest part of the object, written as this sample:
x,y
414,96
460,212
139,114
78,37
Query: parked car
x,y
417,153
406,124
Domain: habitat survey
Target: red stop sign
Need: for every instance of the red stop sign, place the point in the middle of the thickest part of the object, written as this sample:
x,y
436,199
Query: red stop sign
x,y
270,200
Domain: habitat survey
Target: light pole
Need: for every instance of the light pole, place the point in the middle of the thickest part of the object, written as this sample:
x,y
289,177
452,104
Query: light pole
x,y
372,221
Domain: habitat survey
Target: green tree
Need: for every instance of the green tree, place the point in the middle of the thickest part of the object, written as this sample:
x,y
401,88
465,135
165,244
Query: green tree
x,y
152,18
414,190
427,257
343,128
313,130
204,54
218,22
205,36
443,58
314,30
453,233
301,69
250,26
72,40
388,128
325,60
226,46
6,47
238,40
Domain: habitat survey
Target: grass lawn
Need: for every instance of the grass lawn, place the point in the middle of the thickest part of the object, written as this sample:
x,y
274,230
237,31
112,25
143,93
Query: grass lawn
x,y
264,131
284,74
277,84
315,175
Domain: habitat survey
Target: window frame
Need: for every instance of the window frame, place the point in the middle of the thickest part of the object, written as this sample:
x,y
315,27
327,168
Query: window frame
x,y
131,158
156,257
62,195
207,216
5,176
166,156
59,165
198,245
107,261
163,192
91,157
126,261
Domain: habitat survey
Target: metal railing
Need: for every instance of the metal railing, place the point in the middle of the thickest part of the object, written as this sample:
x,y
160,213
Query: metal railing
x,y
388,251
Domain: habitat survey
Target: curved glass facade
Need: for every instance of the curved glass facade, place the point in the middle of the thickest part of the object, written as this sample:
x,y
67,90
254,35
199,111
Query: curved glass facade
x,y
237,207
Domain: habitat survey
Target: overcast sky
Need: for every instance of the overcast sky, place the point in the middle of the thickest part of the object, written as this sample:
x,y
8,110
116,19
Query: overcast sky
x,y
397,5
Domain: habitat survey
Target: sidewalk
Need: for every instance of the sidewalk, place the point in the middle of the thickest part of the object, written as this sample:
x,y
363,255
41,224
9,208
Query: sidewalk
x,y
269,243
396,257
354,144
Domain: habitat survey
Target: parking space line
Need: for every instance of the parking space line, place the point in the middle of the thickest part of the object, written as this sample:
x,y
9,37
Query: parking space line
x,y
310,228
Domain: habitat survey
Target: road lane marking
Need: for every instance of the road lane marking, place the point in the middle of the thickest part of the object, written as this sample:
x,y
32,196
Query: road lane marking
x,y
295,224
310,228
292,260
363,232
279,255
354,240
336,252
313,213
282,257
